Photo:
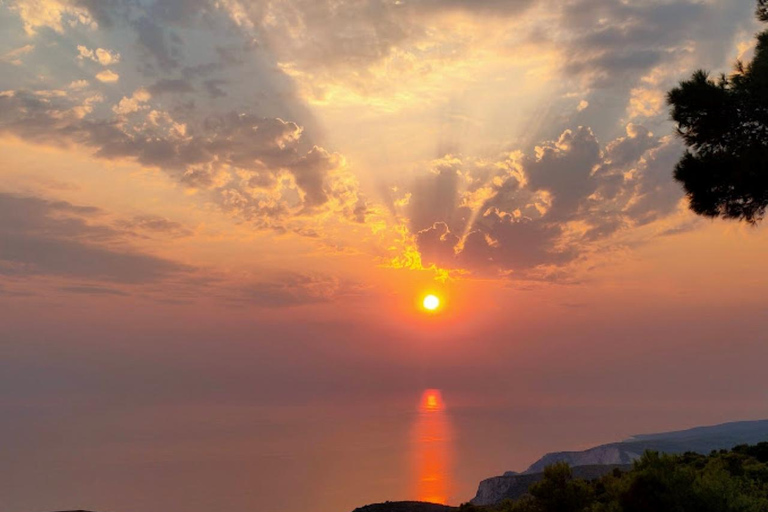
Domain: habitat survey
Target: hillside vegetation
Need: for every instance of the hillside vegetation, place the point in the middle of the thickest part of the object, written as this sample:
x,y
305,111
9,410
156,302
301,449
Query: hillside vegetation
x,y
724,481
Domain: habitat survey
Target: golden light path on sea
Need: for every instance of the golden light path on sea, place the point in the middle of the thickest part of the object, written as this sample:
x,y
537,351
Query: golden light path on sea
x,y
432,449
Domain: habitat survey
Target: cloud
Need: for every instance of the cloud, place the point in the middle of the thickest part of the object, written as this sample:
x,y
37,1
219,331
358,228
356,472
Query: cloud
x,y
522,213
311,172
8,292
157,42
15,57
628,38
435,197
255,164
93,290
226,120
320,33
52,14
108,76
55,238
77,250
564,170
238,141
77,85
152,224
294,289
171,86
214,89
646,102
100,55
133,103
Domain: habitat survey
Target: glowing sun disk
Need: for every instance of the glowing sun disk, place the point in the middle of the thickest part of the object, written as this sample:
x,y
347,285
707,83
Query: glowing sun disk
x,y
431,302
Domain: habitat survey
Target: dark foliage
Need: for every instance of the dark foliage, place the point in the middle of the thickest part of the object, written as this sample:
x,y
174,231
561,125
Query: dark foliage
x,y
724,481
724,123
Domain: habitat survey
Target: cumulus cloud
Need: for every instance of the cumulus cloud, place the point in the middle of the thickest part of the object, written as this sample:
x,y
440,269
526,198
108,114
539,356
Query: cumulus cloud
x,y
133,103
108,76
644,102
52,14
255,163
100,55
76,85
248,155
526,212
563,169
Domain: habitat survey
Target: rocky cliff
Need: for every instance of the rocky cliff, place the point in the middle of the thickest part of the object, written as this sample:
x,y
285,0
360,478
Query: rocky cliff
x,y
600,455
512,486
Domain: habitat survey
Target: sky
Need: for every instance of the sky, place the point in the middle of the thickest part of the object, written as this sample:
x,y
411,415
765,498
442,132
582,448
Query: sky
x,y
218,219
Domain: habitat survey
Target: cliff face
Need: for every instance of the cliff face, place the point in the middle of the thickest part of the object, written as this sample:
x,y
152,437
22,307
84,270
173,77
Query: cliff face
x,y
512,486
500,488
600,455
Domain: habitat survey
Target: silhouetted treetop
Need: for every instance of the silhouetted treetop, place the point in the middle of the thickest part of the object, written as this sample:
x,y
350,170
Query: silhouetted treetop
x,y
724,123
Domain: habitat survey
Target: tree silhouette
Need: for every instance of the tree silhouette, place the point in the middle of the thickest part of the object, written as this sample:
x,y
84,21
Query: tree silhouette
x,y
558,491
723,481
724,123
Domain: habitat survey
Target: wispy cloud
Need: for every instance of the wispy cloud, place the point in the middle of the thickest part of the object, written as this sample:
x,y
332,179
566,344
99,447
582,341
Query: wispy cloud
x,y
54,238
16,57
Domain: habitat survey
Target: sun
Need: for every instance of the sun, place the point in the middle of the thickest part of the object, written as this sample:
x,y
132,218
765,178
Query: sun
x,y
431,303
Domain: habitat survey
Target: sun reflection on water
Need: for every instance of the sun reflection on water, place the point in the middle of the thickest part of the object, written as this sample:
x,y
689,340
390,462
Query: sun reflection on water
x,y
432,449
